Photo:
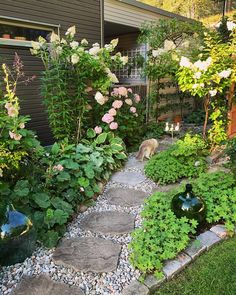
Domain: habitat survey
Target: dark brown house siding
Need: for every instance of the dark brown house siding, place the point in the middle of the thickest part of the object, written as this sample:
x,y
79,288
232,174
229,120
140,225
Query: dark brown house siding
x,y
85,14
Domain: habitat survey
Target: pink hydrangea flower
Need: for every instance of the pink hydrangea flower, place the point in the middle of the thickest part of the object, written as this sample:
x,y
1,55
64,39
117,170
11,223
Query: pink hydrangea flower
x,y
117,104
22,125
98,129
107,118
58,167
123,91
130,90
113,126
133,110
14,135
115,92
137,98
112,112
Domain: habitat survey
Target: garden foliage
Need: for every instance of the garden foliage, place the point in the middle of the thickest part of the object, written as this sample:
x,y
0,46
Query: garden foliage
x,y
74,72
185,158
163,235
66,176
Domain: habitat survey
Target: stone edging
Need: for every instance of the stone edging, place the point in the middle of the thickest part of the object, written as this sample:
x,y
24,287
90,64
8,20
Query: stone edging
x,y
202,243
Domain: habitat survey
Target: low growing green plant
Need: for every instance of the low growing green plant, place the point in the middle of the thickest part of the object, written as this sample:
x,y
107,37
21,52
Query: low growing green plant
x,y
218,191
161,237
186,158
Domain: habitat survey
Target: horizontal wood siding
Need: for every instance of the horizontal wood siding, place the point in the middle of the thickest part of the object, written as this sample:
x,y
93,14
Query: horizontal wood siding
x,y
85,14
122,13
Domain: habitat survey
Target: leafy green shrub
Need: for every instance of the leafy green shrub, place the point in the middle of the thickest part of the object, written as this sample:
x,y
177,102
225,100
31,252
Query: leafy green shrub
x,y
196,117
161,237
67,176
154,130
218,191
186,158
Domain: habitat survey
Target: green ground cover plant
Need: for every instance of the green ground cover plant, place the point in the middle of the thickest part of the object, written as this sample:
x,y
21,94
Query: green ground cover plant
x,y
163,235
186,158
213,273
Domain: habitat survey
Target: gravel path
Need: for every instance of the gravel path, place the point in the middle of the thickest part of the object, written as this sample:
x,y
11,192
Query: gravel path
x,y
90,282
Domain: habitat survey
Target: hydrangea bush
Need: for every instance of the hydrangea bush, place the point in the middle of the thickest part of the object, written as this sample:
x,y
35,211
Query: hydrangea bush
x,y
121,113
74,72
212,77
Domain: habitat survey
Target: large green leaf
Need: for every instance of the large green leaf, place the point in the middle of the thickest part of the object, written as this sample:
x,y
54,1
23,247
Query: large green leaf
x,y
83,149
42,200
21,188
60,216
55,149
116,147
101,138
84,182
91,133
60,204
63,176
121,156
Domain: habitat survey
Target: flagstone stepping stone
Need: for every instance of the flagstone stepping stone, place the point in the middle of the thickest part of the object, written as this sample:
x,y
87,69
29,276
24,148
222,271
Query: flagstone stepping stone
x,y
134,163
108,222
129,178
126,197
43,285
88,254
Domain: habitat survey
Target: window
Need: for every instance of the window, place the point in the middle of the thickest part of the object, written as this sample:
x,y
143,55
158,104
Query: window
x,y
21,32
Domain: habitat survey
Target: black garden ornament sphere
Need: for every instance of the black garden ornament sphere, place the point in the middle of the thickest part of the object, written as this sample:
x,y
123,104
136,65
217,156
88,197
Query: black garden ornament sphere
x,y
17,236
186,204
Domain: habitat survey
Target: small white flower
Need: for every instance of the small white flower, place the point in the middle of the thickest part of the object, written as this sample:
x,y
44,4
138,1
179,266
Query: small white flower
x,y
124,60
185,62
213,92
225,73
74,44
84,42
114,42
169,45
202,85
71,31
74,59
197,75
195,86
197,163
202,65
231,25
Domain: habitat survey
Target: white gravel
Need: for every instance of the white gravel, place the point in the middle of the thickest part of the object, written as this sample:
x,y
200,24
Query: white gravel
x,y
91,283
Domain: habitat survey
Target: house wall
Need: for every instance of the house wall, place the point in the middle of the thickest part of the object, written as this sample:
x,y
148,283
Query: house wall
x,y
126,14
85,14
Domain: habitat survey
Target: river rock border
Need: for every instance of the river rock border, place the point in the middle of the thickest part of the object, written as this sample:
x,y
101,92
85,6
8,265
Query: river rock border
x,y
202,243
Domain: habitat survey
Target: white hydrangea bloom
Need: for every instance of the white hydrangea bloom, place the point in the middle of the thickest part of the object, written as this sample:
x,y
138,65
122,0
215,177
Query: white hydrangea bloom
x,y
74,59
225,73
114,42
213,92
94,50
157,52
74,44
231,25
185,62
54,37
169,45
71,31
84,42
100,98
197,75
36,45
124,60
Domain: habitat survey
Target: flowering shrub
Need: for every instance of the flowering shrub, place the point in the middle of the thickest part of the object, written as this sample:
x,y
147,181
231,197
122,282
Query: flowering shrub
x,y
73,71
120,113
213,78
18,146
186,158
